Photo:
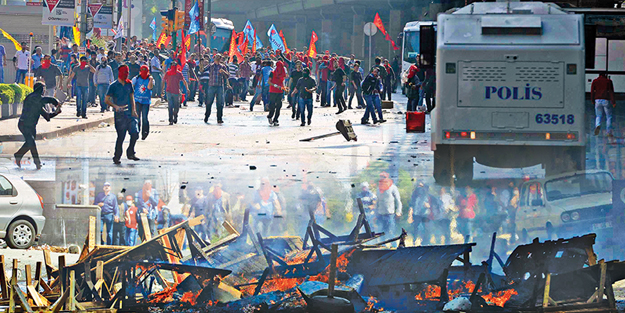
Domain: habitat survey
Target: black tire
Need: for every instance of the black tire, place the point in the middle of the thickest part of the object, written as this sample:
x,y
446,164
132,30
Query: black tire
x,y
464,171
442,166
21,234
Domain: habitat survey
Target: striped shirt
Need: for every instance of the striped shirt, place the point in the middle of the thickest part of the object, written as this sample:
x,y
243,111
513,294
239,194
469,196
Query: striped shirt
x,y
216,78
185,72
232,69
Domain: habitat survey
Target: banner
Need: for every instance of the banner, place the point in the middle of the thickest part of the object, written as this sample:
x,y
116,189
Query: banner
x,y
58,12
233,44
103,18
286,48
274,39
153,27
188,6
194,17
119,32
162,39
377,21
312,48
18,47
250,33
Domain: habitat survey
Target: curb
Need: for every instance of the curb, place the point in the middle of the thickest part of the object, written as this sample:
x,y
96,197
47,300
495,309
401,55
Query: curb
x,y
60,132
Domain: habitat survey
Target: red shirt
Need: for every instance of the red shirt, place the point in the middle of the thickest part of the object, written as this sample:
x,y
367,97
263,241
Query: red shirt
x,y
602,88
132,221
173,82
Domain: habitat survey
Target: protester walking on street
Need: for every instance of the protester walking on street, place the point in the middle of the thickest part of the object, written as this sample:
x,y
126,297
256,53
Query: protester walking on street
x,y
294,96
50,74
109,212
276,88
34,107
602,96
81,72
157,72
388,81
388,205
173,78
354,86
305,87
419,214
103,79
143,85
218,74
120,97
265,205
338,77
371,88
245,73
3,63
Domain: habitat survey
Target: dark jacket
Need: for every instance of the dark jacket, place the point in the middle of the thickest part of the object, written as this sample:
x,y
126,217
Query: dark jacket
x,y
371,84
34,107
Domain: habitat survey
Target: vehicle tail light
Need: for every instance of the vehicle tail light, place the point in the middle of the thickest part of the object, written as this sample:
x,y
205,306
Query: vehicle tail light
x,y
447,135
575,216
472,135
463,134
565,217
570,136
40,201
547,136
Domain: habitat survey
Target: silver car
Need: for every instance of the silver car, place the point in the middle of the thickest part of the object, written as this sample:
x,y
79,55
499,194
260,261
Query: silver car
x,y
21,212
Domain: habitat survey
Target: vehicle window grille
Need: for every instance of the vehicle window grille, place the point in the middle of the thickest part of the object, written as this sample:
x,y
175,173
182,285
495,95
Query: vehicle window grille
x,y
528,74
484,73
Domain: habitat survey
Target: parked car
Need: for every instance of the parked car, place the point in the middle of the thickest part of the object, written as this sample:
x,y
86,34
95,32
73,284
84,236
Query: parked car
x,y
21,212
568,204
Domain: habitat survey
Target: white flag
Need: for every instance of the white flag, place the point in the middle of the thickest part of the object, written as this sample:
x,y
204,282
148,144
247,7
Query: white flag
x,y
119,32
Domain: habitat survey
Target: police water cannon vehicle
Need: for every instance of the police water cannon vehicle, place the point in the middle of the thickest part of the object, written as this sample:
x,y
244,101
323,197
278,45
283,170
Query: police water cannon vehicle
x,y
510,89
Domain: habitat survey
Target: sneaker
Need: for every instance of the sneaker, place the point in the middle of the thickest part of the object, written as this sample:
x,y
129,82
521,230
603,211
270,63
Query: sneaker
x,y
303,124
77,114
293,116
366,122
270,121
171,123
18,161
134,158
117,161
597,130
382,121
220,122
376,122
205,118
339,112
144,136
175,120
308,121
276,123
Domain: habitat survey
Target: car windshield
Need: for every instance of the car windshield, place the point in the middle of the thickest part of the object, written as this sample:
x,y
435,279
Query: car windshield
x,y
578,185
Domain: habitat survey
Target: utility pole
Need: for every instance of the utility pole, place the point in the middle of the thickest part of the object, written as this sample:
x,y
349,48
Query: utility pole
x,y
173,31
83,22
129,18
209,25
118,44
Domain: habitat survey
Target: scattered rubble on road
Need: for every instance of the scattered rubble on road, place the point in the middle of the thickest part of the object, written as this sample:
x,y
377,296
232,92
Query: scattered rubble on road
x,y
178,271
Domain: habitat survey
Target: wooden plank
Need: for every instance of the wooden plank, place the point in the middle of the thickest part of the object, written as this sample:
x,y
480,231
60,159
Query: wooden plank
x,y
71,303
47,259
230,229
91,237
33,294
29,275
604,268
4,286
610,292
172,258
22,299
62,274
99,271
547,288
56,307
12,294
38,269
146,227
45,286
592,257
332,276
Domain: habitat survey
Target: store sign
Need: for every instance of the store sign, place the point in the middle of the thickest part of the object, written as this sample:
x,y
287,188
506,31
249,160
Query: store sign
x,y
58,12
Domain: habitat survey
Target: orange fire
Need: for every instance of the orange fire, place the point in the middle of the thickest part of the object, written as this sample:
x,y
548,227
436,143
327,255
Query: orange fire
x,y
284,284
190,297
433,292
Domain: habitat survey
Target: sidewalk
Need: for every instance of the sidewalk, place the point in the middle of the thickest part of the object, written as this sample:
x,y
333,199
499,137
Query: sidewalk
x,y
62,125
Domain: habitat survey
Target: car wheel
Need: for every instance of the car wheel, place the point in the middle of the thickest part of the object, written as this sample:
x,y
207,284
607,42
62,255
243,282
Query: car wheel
x,y
21,234
524,236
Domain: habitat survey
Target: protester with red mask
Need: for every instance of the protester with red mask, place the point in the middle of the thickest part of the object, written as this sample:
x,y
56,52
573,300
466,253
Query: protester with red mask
x,y
173,78
49,73
389,204
143,84
81,72
120,97
276,89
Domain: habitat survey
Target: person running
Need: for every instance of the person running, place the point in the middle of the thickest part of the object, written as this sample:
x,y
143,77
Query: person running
x,y
120,97
371,88
305,87
338,76
50,73
218,74
143,85
276,88
34,107
173,78
354,86
602,96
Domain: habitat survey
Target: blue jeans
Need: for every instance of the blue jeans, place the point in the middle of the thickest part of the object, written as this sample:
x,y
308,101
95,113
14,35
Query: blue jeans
x,y
218,92
102,89
421,98
125,123
92,91
81,100
20,75
107,219
265,95
142,122
1,75
173,105
131,236
330,85
386,222
305,104
257,93
603,106
324,93
243,84
157,84
373,104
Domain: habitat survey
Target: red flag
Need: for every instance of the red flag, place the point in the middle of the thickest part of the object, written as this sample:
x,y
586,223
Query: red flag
x,y
286,49
233,44
161,39
377,21
312,48
254,44
183,51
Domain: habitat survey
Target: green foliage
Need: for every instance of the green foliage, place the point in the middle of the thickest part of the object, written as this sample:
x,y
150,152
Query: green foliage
x,y
19,93
6,94
25,91
12,93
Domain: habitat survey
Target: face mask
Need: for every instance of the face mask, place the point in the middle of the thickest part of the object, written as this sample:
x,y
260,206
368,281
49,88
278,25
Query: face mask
x,y
144,73
83,64
123,73
45,64
129,203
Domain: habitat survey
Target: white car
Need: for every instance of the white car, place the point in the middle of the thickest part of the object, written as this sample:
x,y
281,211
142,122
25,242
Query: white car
x,y
21,212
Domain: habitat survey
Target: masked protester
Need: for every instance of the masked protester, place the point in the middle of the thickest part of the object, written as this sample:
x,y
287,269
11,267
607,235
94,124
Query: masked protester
x,y
120,97
173,78
304,89
49,72
34,107
371,88
276,88
143,84
81,72
389,204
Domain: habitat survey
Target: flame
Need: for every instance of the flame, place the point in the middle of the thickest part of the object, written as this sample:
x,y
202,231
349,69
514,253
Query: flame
x,y
433,292
164,296
190,297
